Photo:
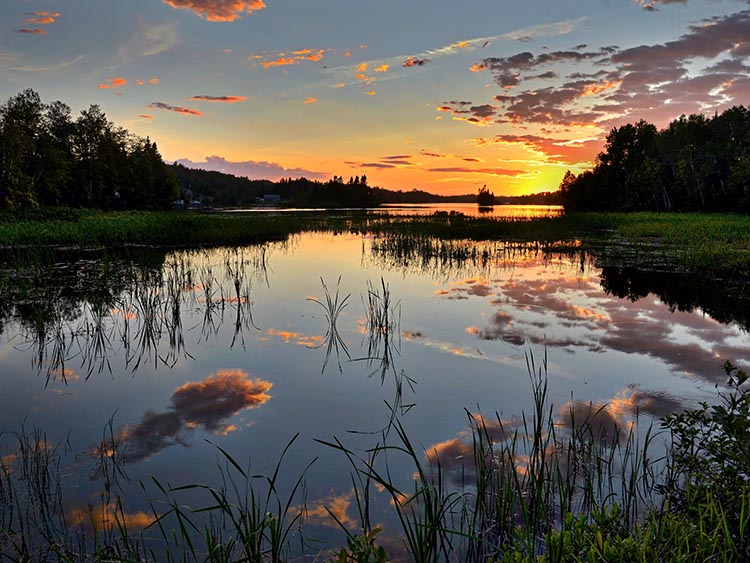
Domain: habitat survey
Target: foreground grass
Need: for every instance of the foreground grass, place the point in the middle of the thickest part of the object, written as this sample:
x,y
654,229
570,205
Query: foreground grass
x,y
536,491
710,244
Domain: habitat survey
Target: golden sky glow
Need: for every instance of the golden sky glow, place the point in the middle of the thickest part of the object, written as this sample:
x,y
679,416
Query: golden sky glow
x,y
445,100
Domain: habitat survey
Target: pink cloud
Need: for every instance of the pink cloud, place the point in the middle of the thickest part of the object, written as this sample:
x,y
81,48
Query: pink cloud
x,y
251,169
218,10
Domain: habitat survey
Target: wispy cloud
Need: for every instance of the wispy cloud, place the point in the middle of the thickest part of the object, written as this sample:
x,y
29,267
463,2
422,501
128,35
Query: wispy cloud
x,y
42,18
412,61
150,40
284,58
488,171
219,99
218,10
33,31
177,109
18,66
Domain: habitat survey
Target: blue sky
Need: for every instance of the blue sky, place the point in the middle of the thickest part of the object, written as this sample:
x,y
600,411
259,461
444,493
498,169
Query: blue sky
x,y
421,94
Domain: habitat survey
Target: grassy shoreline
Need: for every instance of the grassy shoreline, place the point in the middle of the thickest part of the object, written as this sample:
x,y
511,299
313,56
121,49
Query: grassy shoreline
x,y
714,245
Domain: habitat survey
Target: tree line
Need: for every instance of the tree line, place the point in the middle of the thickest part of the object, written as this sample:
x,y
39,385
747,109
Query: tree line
x,y
694,164
48,158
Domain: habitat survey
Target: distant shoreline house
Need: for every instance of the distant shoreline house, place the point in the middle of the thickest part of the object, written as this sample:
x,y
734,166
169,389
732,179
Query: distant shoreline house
x,y
269,199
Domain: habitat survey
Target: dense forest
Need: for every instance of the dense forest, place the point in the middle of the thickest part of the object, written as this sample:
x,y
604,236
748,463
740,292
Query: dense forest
x,y
694,164
47,158
220,189
226,190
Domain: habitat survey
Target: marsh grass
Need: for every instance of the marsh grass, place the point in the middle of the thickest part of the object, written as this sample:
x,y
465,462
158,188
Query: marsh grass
x,y
708,244
530,489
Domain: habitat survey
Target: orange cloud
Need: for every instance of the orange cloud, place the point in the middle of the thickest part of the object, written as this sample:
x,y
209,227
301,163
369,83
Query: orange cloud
x,y
478,67
281,61
146,116
41,21
382,68
309,54
113,83
295,57
310,101
218,10
32,31
362,67
42,18
153,81
594,89
219,99
140,82
371,93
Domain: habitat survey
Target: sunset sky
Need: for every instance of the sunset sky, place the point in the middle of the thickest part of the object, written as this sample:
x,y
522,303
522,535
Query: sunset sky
x,y
434,95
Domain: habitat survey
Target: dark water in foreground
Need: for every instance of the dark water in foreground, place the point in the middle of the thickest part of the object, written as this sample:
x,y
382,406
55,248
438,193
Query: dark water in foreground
x,y
184,351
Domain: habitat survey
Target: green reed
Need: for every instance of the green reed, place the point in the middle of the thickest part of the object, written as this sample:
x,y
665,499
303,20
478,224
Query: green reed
x,y
545,486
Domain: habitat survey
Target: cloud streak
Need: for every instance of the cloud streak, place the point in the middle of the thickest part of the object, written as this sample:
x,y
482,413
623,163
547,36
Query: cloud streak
x,y
219,99
176,109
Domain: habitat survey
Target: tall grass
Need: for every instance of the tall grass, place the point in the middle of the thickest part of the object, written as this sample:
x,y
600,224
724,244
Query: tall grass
x,y
529,489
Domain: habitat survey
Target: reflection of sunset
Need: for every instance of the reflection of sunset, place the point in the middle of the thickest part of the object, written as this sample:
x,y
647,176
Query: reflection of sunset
x,y
107,517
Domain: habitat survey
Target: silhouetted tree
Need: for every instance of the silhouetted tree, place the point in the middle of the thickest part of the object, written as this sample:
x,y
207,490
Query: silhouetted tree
x,y
47,158
695,163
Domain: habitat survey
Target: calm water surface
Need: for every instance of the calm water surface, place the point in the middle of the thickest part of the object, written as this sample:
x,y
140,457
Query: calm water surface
x,y
516,212
228,347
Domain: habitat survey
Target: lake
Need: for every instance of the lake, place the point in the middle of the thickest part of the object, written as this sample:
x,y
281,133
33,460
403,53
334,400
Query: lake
x,y
516,212
152,364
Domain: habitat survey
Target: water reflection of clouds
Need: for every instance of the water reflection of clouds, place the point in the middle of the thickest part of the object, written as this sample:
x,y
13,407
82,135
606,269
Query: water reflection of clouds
x,y
610,423
298,338
331,511
208,403
108,517
534,310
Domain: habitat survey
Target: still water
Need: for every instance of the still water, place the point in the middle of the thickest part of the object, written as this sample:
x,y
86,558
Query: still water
x,y
176,354
515,212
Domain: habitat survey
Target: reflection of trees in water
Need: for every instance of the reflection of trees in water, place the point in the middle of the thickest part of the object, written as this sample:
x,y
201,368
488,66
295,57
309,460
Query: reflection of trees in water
x,y
444,259
80,310
681,292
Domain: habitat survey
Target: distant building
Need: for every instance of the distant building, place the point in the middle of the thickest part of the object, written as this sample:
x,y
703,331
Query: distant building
x,y
270,198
